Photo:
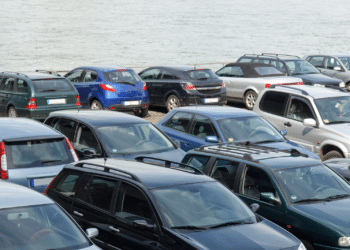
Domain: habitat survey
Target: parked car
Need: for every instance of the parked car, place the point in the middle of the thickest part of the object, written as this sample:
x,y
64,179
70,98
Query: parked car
x,y
110,87
298,193
333,65
29,220
244,81
142,206
201,125
35,94
177,86
341,166
113,134
295,66
315,118
32,154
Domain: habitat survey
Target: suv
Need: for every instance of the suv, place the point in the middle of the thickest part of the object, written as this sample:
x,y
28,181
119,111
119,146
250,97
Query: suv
x,y
35,95
142,206
314,117
294,66
300,194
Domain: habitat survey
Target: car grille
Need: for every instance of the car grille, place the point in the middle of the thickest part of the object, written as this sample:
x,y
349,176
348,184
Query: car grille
x,y
209,90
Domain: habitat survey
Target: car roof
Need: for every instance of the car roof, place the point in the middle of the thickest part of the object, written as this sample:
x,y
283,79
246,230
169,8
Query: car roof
x,y
105,68
249,69
180,67
334,55
98,118
13,195
33,75
22,128
150,175
282,57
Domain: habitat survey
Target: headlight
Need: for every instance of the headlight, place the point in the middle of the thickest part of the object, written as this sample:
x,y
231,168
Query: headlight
x,y
344,241
342,85
301,247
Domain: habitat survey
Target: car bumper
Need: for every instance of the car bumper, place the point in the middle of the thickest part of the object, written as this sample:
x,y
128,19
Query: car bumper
x,y
204,100
123,107
322,247
42,113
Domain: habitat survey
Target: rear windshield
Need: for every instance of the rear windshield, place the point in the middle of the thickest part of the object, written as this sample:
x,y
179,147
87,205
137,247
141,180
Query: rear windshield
x,y
265,71
201,74
128,77
37,153
52,85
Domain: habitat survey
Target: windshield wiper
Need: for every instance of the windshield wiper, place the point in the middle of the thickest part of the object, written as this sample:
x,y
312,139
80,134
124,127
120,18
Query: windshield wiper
x,y
190,227
336,122
231,223
203,78
48,161
49,90
311,199
127,83
266,141
338,196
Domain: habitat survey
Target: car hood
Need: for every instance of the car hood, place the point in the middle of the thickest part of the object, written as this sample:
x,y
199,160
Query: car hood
x,y
319,78
175,155
262,235
341,129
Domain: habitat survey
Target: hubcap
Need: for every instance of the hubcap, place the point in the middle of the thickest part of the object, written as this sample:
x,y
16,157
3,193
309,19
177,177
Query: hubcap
x,y
173,103
12,113
251,100
96,105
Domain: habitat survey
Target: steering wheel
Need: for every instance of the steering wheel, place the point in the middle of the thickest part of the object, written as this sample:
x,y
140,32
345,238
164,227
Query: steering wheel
x,y
320,189
258,130
140,143
40,233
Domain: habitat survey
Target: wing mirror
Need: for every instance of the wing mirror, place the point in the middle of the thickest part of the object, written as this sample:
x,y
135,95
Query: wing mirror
x,y
254,207
212,139
143,225
92,232
270,198
337,68
283,132
177,143
309,122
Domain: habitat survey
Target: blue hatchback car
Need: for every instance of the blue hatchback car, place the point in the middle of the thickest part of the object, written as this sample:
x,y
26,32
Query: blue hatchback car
x,y
110,87
201,125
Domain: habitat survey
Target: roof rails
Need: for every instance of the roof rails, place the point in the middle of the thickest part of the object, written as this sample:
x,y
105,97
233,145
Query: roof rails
x,y
336,88
289,87
17,73
48,72
277,55
167,163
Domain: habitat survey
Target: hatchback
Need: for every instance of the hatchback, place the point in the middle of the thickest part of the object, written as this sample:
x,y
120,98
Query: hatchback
x,y
110,87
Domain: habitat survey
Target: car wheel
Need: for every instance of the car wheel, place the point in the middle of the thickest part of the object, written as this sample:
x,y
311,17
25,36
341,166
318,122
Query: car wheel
x,y
172,102
96,105
332,155
307,245
141,112
348,87
12,112
250,99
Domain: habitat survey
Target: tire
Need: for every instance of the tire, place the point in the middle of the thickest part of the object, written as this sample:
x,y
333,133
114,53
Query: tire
x,y
250,99
96,105
307,245
348,87
172,102
12,112
141,112
332,155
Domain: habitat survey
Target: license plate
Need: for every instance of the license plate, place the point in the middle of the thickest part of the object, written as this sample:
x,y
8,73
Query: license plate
x,y
40,182
211,100
56,101
128,103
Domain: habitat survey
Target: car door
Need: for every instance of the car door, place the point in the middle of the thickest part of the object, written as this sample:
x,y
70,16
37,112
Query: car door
x,y
87,85
75,77
153,87
85,139
65,126
6,90
22,94
166,83
234,80
330,64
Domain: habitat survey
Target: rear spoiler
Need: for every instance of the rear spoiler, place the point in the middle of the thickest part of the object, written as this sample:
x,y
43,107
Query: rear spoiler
x,y
34,138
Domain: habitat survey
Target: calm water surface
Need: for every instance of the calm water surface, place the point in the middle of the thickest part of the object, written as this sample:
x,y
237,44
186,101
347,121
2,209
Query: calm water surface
x,y
63,34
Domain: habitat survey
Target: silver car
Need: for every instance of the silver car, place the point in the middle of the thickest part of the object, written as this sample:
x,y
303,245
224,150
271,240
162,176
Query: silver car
x,y
245,81
314,117
334,65
32,221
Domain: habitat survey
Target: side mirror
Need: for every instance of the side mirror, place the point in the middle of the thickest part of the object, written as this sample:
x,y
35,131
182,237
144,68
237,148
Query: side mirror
x,y
254,207
283,132
177,143
143,225
309,122
337,68
212,139
92,232
270,198
91,153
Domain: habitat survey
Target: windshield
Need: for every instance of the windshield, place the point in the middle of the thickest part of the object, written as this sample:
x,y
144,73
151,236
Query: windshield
x,y
301,67
128,76
52,85
250,128
266,71
201,74
345,61
201,205
312,182
334,110
134,139
40,228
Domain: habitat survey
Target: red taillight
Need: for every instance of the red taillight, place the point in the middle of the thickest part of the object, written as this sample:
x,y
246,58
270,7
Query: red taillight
x,y
223,85
299,83
296,83
48,186
111,108
188,85
267,85
3,162
75,156
77,101
200,69
107,87
121,70
144,87
31,104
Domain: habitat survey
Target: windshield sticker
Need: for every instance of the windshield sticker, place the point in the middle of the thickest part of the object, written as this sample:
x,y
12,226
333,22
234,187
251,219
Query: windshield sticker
x,y
230,139
326,121
293,197
114,150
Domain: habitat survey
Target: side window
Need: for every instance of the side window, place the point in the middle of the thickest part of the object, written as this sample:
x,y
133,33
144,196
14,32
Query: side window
x,y
90,76
85,139
66,127
202,127
274,102
22,86
278,65
198,161
331,62
230,71
299,110
245,60
8,84
179,121
133,205
255,182
168,76
262,61
151,74
317,61
225,172
68,184
75,76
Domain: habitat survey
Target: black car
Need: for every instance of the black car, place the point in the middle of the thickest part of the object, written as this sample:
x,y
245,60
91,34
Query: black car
x,y
136,205
294,66
182,86
341,166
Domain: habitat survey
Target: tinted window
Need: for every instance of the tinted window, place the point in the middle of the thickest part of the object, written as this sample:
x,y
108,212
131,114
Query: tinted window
x,y
179,121
127,76
201,74
198,161
75,76
274,103
168,76
8,84
22,86
225,172
68,184
85,139
230,71
245,60
66,127
278,65
317,61
331,62
90,76
151,74
52,85
202,127
264,71
265,61
299,110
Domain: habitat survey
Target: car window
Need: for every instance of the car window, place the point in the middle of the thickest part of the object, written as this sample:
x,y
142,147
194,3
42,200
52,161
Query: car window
x,y
299,110
179,121
166,75
225,172
331,62
22,86
203,127
301,67
68,184
334,110
8,84
230,71
66,127
85,139
266,61
122,76
133,205
198,161
264,71
200,74
90,76
151,74
345,60
75,76
279,65
274,102
245,60
52,85
317,61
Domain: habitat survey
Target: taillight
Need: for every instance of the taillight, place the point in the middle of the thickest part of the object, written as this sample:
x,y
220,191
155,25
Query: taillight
x,y
121,70
48,186
75,156
188,85
107,87
77,101
267,85
223,85
144,86
200,69
31,104
3,162
299,83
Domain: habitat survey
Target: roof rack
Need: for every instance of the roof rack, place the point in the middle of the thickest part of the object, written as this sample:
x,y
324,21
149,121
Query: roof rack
x,y
277,55
167,163
48,72
336,88
289,87
17,73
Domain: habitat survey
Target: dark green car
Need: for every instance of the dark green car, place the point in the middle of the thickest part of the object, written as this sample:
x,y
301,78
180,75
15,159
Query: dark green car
x,y
35,95
300,194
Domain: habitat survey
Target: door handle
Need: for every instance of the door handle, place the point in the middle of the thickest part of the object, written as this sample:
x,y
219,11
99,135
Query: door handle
x,y
79,214
287,124
116,230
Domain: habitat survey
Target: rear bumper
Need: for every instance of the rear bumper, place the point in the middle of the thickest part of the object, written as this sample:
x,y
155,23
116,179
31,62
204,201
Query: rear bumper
x,y
204,100
109,101
42,113
123,107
